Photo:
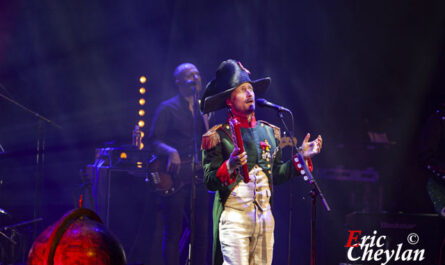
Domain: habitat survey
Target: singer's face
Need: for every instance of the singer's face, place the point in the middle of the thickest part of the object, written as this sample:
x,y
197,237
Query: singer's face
x,y
242,99
188,78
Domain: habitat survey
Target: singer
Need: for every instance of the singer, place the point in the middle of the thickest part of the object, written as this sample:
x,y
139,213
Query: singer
x,y
243,224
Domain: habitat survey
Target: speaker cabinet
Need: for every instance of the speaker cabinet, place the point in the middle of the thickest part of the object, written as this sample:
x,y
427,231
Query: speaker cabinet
x,y
129,209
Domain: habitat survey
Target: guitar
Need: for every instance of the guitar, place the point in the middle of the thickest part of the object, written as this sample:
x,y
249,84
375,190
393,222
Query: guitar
x,y
166,183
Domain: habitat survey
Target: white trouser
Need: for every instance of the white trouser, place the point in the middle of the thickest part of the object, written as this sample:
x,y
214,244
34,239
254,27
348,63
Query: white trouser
x,y
246,236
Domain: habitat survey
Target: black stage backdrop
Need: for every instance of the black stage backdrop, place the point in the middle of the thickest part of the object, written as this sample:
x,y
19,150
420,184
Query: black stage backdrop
x,y
345,68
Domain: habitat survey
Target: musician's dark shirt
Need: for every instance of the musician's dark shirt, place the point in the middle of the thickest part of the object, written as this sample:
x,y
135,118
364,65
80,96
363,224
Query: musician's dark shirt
x,y
173,125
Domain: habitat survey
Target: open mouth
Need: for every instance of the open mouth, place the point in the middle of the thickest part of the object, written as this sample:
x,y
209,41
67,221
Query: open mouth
x,y
250,100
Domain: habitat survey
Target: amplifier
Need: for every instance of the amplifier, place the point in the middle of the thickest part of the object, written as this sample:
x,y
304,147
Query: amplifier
x,y
124,200
123,157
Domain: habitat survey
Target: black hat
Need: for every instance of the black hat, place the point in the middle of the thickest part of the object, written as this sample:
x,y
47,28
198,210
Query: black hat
x,y
229,75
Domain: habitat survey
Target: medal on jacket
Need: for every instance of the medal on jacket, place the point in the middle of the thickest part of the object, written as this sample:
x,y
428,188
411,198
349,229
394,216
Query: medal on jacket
x,y
265,147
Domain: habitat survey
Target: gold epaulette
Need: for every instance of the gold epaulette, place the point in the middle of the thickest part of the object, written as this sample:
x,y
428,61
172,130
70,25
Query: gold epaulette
x,y
276,129
211,138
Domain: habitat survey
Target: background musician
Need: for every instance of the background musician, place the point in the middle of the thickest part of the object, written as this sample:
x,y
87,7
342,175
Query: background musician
x,y
172,135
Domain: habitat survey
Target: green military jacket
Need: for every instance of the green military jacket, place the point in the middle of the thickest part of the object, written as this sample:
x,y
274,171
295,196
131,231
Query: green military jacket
x,y
262,145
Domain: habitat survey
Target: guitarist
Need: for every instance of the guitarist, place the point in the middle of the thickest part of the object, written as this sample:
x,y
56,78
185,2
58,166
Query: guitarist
x,y
172,136
243,224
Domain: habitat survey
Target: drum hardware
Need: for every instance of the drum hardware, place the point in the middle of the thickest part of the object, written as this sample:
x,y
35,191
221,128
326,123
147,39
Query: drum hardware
x,y
15,248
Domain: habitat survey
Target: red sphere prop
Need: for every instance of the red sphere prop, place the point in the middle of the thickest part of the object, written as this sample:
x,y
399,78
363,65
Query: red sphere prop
x,y
79,237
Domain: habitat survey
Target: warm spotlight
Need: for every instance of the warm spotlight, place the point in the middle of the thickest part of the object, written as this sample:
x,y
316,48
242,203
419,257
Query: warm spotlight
x,y
142,90
142,102
123,155
142,79
141,123
141,112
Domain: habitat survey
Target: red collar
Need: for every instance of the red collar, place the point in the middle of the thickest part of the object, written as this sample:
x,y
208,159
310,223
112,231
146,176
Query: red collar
x,y
244,123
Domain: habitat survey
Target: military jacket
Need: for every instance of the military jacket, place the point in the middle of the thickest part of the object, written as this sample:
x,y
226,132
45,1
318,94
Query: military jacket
x,y
262,145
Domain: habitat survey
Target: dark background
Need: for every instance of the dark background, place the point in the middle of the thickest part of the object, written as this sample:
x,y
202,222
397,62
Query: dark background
x,y
345,68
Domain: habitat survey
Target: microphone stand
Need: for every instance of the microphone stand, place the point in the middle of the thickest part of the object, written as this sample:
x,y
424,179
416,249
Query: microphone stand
x,y
195,167
316,191
40,151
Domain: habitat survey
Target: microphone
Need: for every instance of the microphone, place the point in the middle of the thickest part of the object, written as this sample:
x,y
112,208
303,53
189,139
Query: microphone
x,y
192,84
267,104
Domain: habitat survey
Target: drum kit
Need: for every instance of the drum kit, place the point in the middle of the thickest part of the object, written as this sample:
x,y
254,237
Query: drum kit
x,y
15,236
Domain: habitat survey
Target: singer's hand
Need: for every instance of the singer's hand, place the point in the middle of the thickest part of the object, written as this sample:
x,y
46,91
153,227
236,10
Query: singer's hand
x,y
236,159
174,162
309,149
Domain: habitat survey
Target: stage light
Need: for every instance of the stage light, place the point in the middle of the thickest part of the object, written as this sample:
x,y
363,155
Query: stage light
x,y
123,155
138,134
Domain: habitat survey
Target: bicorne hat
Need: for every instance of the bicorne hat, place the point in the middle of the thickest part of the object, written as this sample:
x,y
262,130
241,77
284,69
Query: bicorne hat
x,y
229,75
